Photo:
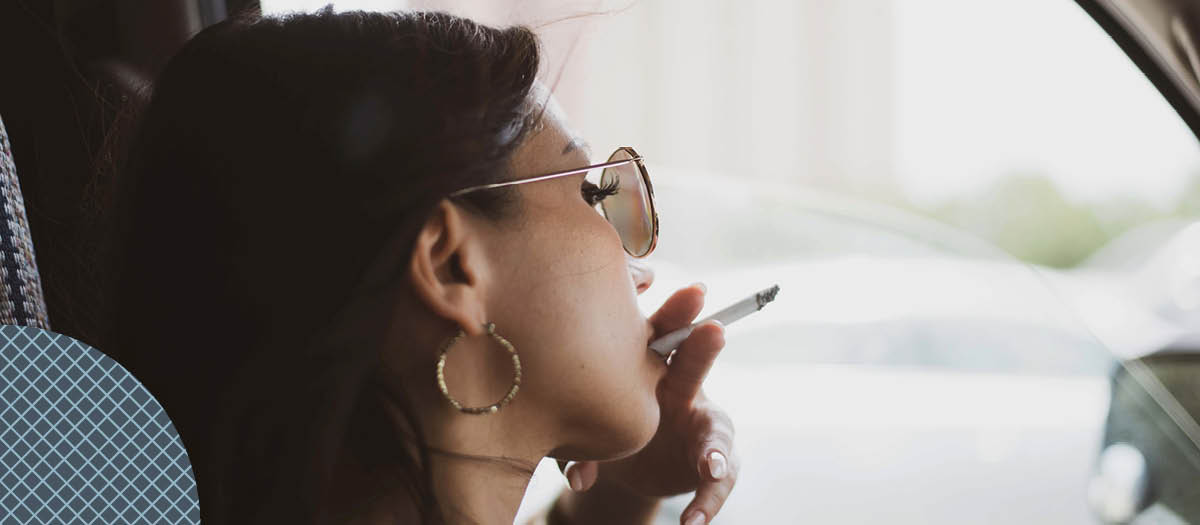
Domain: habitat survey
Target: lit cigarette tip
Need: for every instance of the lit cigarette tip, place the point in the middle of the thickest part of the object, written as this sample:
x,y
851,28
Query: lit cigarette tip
x,y
665,344
766,296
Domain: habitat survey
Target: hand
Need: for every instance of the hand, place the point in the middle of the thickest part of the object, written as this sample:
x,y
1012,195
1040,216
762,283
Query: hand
x,y
693,447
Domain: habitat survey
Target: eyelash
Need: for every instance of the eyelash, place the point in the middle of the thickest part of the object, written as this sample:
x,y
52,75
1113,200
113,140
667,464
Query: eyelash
x,y
594,194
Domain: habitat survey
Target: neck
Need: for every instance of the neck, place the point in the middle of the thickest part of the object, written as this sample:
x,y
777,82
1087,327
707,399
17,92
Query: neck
x,y
480,490
479,466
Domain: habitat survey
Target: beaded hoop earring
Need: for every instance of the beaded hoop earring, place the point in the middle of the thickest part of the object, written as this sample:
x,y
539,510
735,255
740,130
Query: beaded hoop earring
x,y
441,378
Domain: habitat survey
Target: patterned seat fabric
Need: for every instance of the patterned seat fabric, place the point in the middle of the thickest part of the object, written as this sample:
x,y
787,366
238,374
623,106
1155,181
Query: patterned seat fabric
x,y
21,300
82,441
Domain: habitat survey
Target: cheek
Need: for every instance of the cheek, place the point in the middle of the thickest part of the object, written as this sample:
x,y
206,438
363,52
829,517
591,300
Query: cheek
x,y
582,303
586,363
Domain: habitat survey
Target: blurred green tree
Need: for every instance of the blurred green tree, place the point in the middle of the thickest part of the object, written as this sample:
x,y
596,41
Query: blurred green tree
x,y
1027,216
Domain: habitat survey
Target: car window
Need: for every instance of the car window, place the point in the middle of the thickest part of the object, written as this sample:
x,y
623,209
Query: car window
x,y
929,183
981,215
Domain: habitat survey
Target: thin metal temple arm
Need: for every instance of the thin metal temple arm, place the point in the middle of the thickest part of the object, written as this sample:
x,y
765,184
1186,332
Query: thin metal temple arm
x,y
548,176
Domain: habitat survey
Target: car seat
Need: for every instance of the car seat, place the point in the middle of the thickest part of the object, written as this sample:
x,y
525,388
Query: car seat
x,y
80,438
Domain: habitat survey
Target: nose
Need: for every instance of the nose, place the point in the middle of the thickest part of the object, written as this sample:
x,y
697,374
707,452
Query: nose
x,y
642,274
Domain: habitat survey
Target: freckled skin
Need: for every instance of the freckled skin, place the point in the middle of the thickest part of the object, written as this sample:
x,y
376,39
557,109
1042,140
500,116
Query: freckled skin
x,y
560,287
582,336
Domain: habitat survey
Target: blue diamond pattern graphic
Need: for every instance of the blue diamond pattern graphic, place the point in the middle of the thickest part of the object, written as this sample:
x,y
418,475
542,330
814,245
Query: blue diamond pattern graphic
x,y
82,441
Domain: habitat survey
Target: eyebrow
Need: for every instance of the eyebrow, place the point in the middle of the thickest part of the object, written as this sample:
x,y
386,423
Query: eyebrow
x,y
575,144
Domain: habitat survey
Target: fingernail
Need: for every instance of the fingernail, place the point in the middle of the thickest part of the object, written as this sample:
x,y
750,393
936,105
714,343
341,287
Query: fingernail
x,y
716,464
702,287
574,480
697,518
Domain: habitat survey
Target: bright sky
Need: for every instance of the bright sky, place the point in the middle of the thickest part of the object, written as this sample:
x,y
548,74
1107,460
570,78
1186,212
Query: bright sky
x,y
982,90
1079,110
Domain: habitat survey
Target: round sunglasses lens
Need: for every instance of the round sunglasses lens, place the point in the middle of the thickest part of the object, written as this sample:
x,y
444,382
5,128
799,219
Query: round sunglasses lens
x,y
629,209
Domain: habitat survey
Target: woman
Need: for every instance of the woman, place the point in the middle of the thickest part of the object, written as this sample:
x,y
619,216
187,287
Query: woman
x,y
319,279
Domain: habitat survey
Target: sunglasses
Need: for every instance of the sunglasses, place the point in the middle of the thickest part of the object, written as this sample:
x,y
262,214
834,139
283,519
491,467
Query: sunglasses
x,y
625,196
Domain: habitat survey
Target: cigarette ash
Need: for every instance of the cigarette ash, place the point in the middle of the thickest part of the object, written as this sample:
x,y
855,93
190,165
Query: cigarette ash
x,y
766,296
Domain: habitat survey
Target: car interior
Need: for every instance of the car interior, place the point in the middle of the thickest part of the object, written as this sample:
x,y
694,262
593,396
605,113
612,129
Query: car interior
x,y
76,70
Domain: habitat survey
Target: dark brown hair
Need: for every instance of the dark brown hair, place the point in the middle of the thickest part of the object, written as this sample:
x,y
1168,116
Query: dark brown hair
x,y
276,159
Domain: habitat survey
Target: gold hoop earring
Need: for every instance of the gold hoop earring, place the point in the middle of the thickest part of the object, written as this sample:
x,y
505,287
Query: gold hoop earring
x,y
441,378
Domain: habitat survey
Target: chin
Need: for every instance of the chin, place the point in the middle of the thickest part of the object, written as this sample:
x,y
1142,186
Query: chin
x,y
651,426
613,430
640,430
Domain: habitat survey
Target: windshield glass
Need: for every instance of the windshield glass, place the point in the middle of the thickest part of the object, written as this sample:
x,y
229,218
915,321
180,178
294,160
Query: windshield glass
x,y
911,365
982,218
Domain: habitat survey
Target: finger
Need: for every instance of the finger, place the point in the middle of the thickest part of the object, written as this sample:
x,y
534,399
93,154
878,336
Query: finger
x,y
679,309
581,475
709,498
713,451
692,361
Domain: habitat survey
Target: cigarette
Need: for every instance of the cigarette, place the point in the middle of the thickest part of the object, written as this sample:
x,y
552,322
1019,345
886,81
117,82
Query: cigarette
x,y
663,346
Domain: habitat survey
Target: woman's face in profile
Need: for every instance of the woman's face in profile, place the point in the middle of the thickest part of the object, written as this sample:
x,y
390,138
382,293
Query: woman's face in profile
x,y
567,294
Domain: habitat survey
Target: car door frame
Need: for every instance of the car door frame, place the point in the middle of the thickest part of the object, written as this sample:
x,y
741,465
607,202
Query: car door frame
x,y
1149,32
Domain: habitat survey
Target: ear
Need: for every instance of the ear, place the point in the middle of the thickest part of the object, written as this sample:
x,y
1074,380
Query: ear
x,y
448,267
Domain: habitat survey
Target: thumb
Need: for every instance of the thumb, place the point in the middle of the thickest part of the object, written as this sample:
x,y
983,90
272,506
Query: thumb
x,y
692,361
581,475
